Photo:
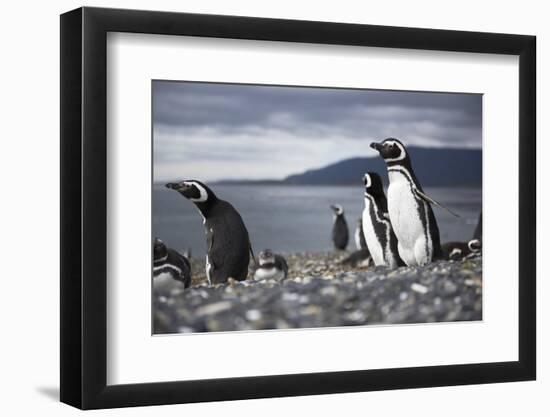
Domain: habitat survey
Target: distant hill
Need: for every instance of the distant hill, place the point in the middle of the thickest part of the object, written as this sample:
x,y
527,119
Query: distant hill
x,y
433,167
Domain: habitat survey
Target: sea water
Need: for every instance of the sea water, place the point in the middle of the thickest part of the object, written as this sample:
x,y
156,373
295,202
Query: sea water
x,y
288,218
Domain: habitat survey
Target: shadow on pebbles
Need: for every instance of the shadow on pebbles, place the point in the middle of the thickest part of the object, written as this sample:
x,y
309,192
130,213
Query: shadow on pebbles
x,y
321,292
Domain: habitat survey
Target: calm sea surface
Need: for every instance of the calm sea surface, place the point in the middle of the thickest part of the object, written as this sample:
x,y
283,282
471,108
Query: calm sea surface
x,y
296,218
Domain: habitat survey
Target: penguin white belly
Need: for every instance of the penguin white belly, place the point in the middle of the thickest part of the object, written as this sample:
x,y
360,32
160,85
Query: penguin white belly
x,y
358,238
208,271
269,273
405,219
164,282
375,248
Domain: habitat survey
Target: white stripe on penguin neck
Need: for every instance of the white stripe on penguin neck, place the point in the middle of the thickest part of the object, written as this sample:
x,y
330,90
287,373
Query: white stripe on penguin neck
x,y
402,154
472,245
368,181
456,251
203,194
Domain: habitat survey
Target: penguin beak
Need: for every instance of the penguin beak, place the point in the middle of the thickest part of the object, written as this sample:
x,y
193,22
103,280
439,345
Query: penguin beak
x,y
177,186
376,146
333,207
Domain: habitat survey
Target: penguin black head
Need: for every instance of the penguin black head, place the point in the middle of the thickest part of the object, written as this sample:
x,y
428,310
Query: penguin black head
x,y
456,254
266,257
474,245
338,209
391,149
160,252
373,184
193,190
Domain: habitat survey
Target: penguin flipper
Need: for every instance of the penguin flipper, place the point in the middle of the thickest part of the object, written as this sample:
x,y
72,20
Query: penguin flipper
x,y
432,201
252,253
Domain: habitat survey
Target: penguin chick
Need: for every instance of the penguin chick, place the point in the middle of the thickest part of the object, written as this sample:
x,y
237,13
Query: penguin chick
x,y
456,251
271,266
340,234
227,243
168,263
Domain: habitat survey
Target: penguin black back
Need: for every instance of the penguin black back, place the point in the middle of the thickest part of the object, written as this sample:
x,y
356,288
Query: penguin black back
x,y
340,233
227,239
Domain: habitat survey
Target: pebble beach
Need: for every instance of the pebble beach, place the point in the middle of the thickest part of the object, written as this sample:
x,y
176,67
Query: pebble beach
x,y
320,291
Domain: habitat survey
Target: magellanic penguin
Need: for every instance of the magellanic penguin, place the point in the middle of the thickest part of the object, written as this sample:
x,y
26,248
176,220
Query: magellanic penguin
x,y
227,242
340,234
360,242
456,251
168,264
409,207
377,227
271,266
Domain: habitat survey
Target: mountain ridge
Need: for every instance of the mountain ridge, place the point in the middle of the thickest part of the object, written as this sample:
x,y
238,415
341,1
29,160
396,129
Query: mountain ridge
x,y
432,166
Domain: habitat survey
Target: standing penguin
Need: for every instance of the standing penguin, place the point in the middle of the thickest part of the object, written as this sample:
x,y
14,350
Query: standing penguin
x,y
409,208
377,228
340,234
360,242
271,266
227,243
168,265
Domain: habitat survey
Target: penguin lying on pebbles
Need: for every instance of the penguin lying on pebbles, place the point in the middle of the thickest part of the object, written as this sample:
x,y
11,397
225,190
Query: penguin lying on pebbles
x,y
361,258
340,234
169,264
377,227
409,207
271,266
456,251
228,245
360,242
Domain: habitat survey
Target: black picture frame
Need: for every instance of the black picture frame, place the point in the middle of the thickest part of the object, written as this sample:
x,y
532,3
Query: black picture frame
x,y
84,207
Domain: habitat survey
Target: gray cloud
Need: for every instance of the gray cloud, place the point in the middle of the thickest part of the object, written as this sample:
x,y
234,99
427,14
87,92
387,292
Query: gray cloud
x,y
198,126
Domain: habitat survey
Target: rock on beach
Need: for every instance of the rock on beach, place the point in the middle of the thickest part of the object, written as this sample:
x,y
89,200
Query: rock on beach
x,y
321,292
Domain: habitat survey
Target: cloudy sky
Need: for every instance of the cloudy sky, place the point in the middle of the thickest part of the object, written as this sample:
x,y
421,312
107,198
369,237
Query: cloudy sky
x,y
214,131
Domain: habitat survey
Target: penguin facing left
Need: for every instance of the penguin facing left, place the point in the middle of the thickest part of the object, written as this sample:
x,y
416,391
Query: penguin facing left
x,y
271,266
409,207
228,244
168,263
340,234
